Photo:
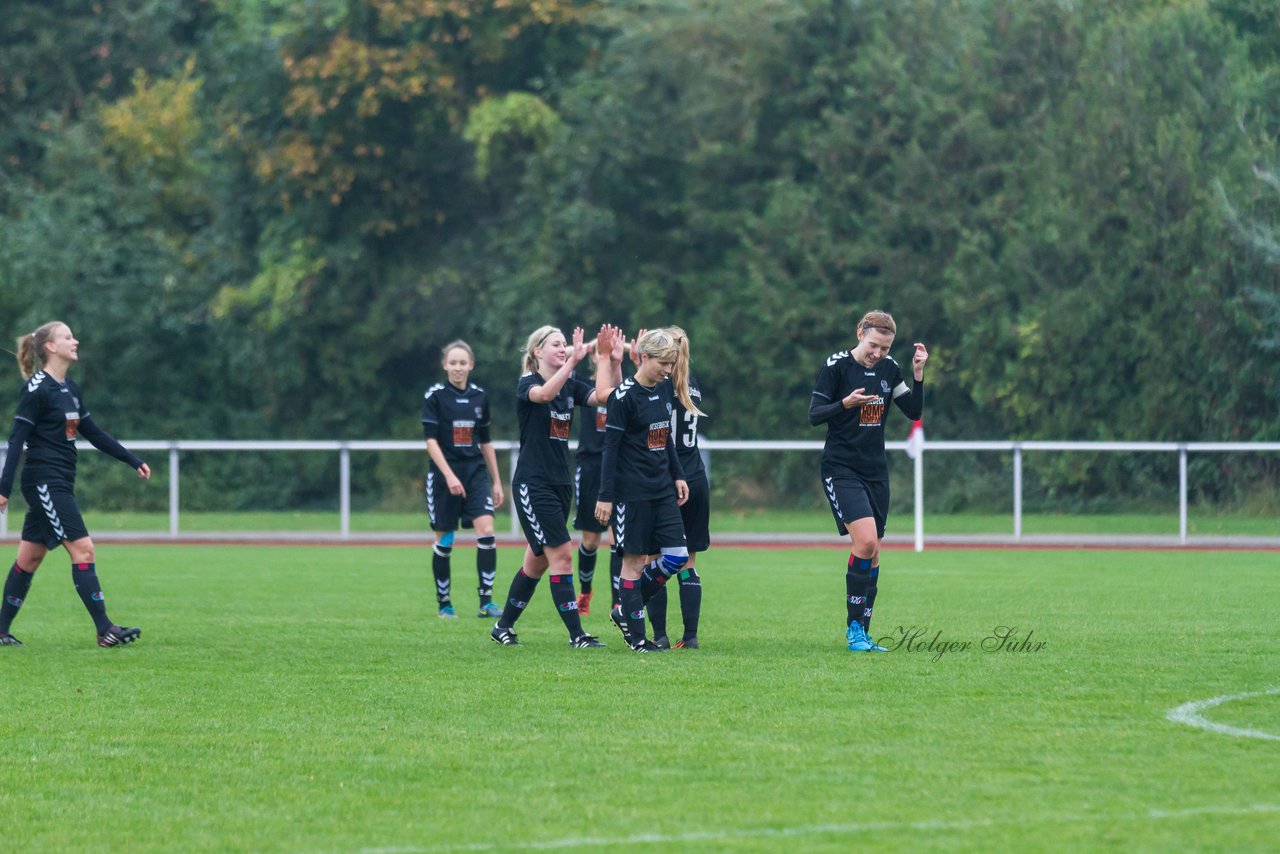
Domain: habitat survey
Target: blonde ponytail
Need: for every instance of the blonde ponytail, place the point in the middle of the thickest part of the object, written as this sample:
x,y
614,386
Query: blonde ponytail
x,y
536,340
31,348
680,376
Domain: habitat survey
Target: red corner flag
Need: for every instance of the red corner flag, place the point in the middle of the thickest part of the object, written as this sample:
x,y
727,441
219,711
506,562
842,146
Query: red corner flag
x,y
915,439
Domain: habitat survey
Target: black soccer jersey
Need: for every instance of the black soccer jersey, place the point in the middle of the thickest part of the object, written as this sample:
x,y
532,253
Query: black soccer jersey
x,y
855,437
53,410
591,431
458,420
51,414
591,434
545,430
685,433
640,460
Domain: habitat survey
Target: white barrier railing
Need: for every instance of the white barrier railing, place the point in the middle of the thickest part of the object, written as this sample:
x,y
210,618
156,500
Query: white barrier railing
x,y
344,449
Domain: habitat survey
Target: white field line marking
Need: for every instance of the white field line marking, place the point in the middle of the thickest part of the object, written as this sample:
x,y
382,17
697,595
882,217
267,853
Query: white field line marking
x,y
1189,714
814,829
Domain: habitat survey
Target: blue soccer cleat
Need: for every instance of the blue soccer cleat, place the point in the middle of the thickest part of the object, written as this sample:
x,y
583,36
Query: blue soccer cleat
x,y
447,613
489,609
860,641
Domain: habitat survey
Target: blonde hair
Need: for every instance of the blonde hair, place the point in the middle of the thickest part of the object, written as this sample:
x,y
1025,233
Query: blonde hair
x,y
536,340
881,320
31,346
457,345
658,344
680,376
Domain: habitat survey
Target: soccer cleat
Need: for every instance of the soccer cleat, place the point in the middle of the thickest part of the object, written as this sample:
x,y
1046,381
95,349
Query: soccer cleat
x,y
661,642
7,639
646,645
687,643
504,636
488,609
621,622
447,613
584,603
860,641
586,642
119,636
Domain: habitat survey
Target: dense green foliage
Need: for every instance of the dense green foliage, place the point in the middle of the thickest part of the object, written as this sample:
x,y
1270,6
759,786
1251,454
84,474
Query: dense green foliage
x,y
263,218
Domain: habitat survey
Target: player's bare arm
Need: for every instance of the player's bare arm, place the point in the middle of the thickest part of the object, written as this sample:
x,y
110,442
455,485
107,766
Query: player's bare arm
x,y
918,360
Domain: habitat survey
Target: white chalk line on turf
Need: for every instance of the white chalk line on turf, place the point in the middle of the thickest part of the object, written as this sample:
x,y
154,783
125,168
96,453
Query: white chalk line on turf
x,y
1190,714
815,829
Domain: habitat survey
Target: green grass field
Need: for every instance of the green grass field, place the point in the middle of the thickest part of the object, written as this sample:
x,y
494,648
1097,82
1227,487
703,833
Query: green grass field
x,y
1199,522
307,699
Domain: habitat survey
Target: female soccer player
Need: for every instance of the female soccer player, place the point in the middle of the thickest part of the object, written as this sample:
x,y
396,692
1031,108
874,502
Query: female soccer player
x,y
850,397
463,484
696,512
51,412
586,483
641,472
545,398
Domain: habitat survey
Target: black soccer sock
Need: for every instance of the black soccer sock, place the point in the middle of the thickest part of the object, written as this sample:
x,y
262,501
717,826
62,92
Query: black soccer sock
x,y
522,588
871,597
652,580
16,585
440,568
615,574
85,577
632,601
566,604
586,567
656,610
486,567
857,581
690,601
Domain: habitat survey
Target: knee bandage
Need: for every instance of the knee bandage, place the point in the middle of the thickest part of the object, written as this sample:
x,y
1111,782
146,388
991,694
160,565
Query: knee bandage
x,y
444,545
673,559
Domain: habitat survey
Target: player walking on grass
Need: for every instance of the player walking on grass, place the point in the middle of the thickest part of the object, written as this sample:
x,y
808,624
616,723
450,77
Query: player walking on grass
x,y
642,484
51,412
851,397
463,484
545,398
696,512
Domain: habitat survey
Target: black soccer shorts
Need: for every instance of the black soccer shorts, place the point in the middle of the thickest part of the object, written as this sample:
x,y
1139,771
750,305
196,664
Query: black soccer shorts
x,y
543,510
852,498
52,515
447,510
586,490
647,526
696,514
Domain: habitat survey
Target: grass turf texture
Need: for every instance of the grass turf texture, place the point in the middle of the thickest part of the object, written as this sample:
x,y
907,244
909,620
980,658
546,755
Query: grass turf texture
x,y
307,699
1200,522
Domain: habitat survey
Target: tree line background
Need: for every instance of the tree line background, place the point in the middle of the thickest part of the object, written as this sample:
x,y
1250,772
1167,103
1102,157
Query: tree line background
x,y
264,217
